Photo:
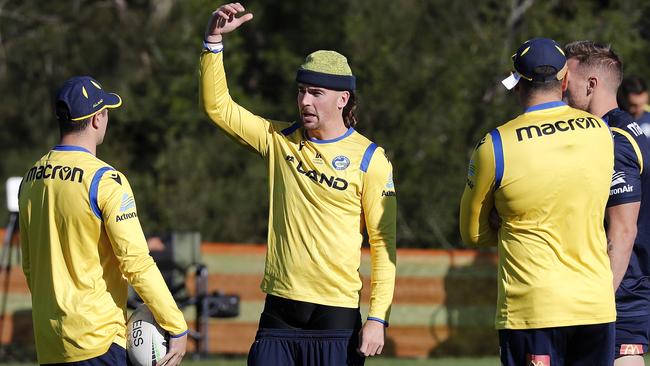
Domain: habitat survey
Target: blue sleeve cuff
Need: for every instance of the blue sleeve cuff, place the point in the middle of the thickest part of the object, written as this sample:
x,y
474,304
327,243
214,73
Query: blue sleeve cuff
x,y
179,335
382,321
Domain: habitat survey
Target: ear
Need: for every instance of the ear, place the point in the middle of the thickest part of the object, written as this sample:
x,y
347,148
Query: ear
x,y
94,121
342,100
592,83
565,82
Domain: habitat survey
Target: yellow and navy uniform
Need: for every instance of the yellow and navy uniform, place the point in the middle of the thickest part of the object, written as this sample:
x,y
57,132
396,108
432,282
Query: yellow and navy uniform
x,y
81,242
322,195
547,173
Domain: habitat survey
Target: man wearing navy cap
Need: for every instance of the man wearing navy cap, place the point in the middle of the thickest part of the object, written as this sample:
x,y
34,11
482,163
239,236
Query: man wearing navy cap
x,y
81,242
595,75
328,184
537,188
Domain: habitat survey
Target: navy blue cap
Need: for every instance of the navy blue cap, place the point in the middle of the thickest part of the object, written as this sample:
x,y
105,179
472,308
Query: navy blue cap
x,y
84,97
535,53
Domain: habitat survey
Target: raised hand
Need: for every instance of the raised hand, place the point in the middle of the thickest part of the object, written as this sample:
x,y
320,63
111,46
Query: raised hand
x,y
224,20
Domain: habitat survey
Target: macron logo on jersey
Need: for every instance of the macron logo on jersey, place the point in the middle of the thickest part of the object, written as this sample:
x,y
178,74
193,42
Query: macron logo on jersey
x,y
532,131
128,202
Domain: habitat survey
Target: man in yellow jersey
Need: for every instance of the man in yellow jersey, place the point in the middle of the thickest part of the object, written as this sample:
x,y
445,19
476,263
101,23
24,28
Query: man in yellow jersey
x,y
595,73
327,184
82,241
546,175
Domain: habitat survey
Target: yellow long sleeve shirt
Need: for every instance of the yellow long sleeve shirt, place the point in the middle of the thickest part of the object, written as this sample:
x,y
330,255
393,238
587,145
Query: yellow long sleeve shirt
x,y
81,242
322,196
548,174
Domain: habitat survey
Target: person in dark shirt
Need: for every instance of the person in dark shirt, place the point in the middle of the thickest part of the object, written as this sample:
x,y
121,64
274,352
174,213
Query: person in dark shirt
x,y
633,98
595,72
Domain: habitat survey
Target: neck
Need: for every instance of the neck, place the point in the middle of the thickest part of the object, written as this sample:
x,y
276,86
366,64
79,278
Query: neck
x,y
541,98
79,140
602,103
328,131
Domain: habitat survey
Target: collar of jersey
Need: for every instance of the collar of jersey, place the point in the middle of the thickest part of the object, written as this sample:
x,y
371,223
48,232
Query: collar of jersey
x,y
346,134
547,105
70,148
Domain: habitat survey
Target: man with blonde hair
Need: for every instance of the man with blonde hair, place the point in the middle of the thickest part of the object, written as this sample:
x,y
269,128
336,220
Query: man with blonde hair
x,y
595,73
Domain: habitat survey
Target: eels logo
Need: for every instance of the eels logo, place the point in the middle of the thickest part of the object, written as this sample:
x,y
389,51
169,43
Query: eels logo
x,y
340,162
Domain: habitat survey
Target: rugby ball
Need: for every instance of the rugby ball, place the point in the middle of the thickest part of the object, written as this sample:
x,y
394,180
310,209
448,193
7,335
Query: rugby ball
x,y
146,340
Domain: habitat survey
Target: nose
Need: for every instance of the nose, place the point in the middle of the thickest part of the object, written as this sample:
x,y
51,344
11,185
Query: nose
x,y
304,99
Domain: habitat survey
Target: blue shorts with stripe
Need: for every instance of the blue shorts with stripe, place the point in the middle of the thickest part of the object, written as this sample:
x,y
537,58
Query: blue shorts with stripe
x,y
632,334
298,347
115,356
580,345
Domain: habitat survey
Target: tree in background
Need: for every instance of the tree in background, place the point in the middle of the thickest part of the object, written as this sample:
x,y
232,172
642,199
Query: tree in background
x,y
428,76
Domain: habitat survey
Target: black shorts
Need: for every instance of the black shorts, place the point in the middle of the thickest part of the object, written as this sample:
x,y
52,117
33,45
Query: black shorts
x,y
115,356
632,335
580,345
302,333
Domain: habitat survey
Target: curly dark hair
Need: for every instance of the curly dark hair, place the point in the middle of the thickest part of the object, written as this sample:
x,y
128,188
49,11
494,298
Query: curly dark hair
x,y
349,118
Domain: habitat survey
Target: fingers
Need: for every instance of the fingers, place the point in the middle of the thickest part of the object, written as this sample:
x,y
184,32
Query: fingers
x,y
170,359
369,348
246,17
163,361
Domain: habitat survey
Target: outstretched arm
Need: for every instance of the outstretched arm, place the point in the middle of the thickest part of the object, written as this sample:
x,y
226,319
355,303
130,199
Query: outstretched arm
x,y
239,124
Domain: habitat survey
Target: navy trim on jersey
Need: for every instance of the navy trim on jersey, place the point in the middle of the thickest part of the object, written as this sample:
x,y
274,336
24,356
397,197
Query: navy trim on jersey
x,y
367,156
291,129
542,106
70,148
382,321
94,190
346,134
497,146
179,335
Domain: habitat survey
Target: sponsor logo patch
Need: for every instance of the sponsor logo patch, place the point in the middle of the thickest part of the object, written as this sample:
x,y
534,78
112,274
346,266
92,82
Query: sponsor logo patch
x,y
390,184
538,360
631,349
618,178
125,216
128,202
635,128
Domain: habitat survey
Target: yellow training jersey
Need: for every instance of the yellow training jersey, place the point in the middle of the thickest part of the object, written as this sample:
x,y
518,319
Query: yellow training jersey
x,y
323,194
547,173
81,241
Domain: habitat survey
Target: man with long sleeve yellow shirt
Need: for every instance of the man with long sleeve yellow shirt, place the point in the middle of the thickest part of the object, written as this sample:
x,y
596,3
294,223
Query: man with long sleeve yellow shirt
x,y
327,184
537,188
82,241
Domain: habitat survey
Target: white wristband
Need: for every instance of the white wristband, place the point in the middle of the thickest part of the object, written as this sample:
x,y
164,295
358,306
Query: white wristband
x,y
213,47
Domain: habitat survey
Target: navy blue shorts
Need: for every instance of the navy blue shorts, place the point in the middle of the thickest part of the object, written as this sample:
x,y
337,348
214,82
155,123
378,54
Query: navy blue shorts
x,y
297,347
115,356
580,345
632,334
